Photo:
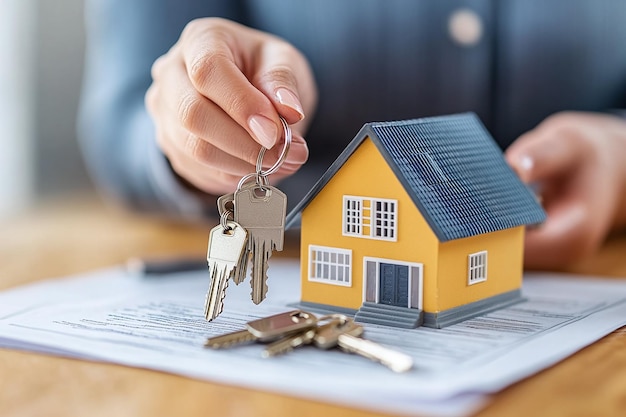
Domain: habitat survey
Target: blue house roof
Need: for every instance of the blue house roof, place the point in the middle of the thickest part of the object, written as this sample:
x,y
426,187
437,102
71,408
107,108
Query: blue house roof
x,y
453,171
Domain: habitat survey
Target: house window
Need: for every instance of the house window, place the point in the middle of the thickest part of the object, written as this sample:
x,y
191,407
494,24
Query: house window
x,y
373,218
330,265
477,267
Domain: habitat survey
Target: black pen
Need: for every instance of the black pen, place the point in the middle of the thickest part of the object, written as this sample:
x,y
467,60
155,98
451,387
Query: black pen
x,y
162,266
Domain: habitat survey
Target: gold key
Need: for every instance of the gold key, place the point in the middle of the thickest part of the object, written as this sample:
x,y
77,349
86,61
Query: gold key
x,y
289,343
266,329
344,333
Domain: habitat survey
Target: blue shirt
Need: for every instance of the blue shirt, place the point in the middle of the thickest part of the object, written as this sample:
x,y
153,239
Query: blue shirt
x,y
374,60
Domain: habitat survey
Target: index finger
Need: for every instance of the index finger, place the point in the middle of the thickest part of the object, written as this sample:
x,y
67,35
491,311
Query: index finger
x,y
215,61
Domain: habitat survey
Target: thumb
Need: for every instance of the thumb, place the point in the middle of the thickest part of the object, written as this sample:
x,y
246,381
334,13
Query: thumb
x,y
539,155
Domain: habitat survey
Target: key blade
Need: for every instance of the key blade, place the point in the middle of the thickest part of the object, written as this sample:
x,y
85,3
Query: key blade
x,y
214,301
229,339
242,267
394,360
288,343
258,282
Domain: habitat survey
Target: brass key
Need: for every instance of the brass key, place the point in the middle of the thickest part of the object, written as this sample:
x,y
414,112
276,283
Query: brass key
x,y
344,333
266,329
289,343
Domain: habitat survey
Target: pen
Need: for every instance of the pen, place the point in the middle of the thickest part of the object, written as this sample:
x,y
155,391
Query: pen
x,y
162,266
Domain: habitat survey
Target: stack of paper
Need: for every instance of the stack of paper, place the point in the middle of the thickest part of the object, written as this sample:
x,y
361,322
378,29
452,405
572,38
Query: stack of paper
x,y
158,323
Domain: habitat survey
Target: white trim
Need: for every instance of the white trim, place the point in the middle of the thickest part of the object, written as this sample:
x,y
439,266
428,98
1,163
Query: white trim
x,y
347,271
479,269
378,261
371,218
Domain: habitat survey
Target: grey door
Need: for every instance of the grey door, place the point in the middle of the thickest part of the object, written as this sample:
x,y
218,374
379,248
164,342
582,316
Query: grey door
x,y
394,285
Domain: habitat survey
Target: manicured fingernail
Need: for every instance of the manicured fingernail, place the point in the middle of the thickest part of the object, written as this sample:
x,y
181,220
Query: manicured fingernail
x,y
526,163
289,99
298,154
264,130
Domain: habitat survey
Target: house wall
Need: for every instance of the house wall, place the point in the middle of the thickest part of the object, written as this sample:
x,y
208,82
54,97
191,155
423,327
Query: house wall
x,y
367,174
504,267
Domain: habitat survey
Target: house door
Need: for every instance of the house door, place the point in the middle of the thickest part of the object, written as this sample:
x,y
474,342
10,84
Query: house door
x,y
394,284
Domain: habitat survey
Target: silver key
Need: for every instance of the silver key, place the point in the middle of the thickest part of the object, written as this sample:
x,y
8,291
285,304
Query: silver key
x,y
266,329
226,203
226,247
261,210
345,335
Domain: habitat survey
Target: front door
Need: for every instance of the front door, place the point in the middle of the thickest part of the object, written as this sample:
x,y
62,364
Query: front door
x,y
394,284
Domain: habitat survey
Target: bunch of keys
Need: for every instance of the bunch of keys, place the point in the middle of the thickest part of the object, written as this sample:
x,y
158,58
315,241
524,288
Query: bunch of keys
x,y
252,225
287,331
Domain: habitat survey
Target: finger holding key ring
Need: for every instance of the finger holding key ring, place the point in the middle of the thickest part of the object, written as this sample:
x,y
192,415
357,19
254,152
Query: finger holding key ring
x,y
281,158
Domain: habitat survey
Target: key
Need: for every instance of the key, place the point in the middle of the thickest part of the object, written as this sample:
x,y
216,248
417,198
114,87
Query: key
x,y
261,210
226,203
266,329
289,343
345,335
226,247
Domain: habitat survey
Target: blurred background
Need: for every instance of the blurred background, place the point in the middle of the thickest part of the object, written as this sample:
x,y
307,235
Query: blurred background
x,y
41,60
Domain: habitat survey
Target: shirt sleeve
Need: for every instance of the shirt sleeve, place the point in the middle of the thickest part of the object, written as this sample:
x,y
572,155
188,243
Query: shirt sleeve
x,y
116,134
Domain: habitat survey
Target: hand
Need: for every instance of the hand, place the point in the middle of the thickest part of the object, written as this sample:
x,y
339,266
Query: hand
x,y
578,163
216,97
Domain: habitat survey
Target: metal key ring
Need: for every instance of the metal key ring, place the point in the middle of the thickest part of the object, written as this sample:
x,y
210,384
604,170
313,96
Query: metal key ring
x,y
281,158
261,181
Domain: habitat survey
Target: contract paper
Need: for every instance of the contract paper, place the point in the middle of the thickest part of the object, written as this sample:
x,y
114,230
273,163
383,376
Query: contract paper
x,y
158,323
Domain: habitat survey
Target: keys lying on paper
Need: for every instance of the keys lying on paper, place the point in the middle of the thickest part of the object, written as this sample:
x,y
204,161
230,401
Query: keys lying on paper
x,y
287,331
265,329
256,210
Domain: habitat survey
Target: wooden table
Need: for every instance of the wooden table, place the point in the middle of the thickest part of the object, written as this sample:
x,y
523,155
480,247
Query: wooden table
x,y
80,234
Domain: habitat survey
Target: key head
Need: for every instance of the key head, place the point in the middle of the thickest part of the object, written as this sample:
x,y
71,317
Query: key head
x,y
327,335
227,245
225,203
282,324
261,210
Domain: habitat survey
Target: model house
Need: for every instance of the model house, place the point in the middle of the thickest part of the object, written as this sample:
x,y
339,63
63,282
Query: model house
x,y
417,222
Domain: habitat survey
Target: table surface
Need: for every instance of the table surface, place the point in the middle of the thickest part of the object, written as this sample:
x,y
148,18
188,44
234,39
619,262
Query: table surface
x,y
80,234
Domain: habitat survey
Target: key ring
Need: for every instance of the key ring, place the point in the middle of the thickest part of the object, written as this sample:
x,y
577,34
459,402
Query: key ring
x,y
261,181
281,158
224,219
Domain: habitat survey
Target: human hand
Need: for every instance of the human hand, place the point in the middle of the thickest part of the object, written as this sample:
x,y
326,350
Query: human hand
x,y
578,162
216,98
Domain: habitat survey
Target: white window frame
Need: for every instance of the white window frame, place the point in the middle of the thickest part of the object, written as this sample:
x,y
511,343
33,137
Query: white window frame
x,y
477,265
333,267
360,213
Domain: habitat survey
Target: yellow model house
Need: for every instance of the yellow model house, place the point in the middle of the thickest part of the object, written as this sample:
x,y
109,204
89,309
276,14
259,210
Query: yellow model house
x,y
417,222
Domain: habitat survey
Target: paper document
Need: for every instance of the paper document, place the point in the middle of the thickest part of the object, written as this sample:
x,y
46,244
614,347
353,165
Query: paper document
x,y
158,323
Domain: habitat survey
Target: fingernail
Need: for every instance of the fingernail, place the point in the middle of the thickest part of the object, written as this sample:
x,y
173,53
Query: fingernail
x,y
298,154
289,99
526,163
264,130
